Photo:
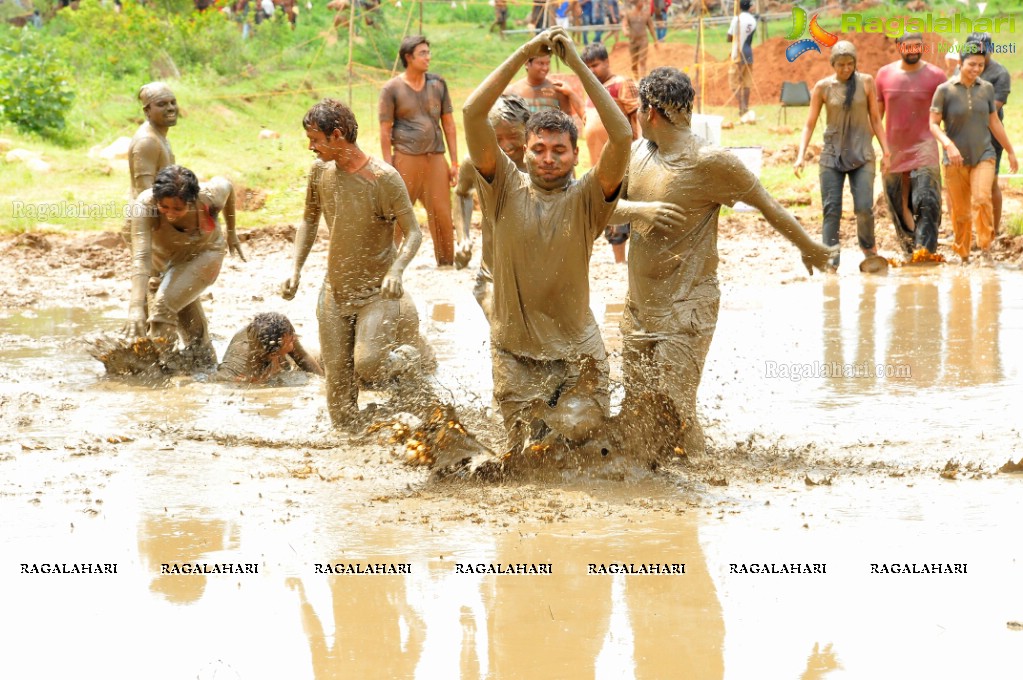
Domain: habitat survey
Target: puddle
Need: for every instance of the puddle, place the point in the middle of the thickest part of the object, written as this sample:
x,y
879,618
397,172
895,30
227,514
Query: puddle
x,y
102,471
917,363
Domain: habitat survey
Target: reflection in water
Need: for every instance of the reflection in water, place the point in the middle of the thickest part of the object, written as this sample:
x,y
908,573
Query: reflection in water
x,y
165,539
931,326
374,632
443,312
820,663
439,623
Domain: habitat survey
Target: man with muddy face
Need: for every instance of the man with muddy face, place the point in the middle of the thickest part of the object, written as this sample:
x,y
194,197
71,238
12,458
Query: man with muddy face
x,y
544,225
369,327
672,303
178,245
508,117
149,151
912,185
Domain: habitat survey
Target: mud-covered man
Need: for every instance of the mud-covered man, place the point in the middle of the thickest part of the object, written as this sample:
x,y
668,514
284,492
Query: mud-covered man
x,y
672,304
262,350
508,118
369,327
544,225
149,151
178,247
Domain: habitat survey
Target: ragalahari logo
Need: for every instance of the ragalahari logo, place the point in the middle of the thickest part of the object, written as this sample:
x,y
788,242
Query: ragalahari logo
x,y
818,36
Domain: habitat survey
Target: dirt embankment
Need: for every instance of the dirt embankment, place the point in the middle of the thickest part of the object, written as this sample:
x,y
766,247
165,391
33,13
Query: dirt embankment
x,y
770,67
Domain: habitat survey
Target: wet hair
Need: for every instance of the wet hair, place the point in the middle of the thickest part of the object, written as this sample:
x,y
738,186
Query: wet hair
x,y
176,181
269,329
908,36
593,52
973,48
669,92
408,45
844,48
745,5
552,120
984,39
328,115
510,108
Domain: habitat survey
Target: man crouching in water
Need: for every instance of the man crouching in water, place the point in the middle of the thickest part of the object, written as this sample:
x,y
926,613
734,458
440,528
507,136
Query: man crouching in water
x,y
543,333
369,327
672,305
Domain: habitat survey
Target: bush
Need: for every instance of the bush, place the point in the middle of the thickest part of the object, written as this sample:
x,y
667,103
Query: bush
x,y
35,93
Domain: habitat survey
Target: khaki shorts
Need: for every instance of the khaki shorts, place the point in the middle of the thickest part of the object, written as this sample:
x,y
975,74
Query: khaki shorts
x,y
740,75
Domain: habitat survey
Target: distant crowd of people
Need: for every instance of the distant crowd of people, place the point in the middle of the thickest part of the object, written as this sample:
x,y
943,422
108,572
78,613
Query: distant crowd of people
x,y
920,104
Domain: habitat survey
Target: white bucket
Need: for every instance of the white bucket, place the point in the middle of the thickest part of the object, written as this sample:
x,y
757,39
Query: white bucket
x,y
753,158
707,128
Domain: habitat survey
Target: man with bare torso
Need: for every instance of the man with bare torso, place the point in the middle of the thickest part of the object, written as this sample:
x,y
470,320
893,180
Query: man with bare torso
x,y
542,93
369,327
626,95
415,122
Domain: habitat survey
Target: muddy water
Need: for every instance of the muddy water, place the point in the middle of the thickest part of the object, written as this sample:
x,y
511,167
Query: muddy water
x,y
100,471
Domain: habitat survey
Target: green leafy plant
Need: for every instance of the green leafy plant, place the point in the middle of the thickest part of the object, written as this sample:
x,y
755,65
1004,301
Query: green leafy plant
x,y
35,93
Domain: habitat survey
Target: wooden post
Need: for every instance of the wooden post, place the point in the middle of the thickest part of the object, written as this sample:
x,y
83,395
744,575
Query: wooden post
x,y
351,47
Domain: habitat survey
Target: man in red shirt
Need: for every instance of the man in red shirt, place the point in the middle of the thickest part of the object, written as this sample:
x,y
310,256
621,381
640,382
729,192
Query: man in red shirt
x,y
912,184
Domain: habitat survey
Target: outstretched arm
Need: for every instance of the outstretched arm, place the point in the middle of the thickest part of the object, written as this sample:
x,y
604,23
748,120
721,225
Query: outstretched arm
x,y
144,219
391,287
479,135
306,234
223,191
614,159
815,254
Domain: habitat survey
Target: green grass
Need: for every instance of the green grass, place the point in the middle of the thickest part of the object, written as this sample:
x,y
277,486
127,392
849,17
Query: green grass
x,y
222,114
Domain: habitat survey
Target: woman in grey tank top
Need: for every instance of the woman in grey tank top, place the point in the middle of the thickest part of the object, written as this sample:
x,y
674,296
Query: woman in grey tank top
x,y
853,120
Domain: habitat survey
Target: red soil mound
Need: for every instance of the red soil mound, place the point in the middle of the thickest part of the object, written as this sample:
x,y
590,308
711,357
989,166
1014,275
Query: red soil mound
x,y
770,69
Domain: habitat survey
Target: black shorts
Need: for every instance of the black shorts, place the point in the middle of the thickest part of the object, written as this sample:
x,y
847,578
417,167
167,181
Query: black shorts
x,y
618,234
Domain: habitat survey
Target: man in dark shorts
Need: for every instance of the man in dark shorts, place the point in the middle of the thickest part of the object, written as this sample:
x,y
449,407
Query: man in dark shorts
x,y
912,185
415,122
543,334
369,327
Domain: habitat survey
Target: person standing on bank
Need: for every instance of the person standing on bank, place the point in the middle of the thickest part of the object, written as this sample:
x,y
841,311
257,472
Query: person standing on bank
x,y
998,76
853,119
966,106
415,122
912,185
740,71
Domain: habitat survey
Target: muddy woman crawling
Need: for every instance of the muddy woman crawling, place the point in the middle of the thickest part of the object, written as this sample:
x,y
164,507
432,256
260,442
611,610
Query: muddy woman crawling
x,y
177,247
